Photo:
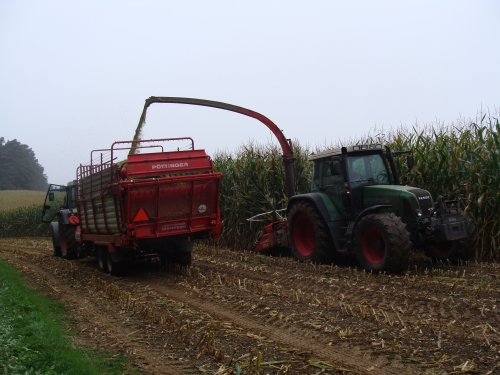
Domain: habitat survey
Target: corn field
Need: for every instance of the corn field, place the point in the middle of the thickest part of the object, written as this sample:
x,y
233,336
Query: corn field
x,y
23,221
253,182
462,162
459,161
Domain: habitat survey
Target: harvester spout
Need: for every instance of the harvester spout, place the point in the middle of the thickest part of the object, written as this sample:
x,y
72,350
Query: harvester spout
x,y
285,144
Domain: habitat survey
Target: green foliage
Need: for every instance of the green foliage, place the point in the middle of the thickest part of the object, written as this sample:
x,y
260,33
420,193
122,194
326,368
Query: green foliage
x,y
32,338
19,168
253,182
23,221
461,161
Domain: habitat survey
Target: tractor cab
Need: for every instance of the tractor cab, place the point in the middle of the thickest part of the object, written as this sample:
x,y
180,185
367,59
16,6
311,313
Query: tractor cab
x,y
59,198
343,174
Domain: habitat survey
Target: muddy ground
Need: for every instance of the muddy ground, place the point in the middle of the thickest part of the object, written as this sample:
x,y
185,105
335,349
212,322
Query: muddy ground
x,y
237,312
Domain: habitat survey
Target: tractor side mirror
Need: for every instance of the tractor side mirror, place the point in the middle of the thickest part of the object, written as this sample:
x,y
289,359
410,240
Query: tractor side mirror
x,y
51,197
335,168
409,161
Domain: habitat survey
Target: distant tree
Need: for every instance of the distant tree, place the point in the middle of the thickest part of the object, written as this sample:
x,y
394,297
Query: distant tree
x,y
19,168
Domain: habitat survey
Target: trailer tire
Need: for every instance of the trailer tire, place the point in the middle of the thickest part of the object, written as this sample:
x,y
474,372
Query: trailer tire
x,y
115,268
183,259
56,243
100,254
69,246
459,250
180,254
382,243
309,236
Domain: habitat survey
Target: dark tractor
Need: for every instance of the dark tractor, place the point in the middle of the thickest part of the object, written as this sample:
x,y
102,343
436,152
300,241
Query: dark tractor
x,y
60,211
357,204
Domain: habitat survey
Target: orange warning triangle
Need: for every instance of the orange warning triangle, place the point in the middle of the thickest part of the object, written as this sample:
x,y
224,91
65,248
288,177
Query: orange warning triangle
x,y
141,215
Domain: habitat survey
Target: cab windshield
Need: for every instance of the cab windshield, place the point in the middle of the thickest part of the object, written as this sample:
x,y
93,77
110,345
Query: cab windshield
x,y
367,170
58,197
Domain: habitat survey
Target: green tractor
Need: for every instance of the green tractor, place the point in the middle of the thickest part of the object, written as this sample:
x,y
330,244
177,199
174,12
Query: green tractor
x,y
357,204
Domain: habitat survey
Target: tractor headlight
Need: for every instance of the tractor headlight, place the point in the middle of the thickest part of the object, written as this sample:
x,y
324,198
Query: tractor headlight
x,y
418,212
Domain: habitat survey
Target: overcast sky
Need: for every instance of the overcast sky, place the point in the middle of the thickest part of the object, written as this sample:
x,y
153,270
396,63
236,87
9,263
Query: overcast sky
x,y
74,74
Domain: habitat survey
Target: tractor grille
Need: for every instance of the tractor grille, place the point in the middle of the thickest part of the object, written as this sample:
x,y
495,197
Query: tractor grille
x,y
424,200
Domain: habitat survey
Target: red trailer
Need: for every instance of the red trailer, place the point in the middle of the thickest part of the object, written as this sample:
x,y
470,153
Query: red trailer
x,y
154,202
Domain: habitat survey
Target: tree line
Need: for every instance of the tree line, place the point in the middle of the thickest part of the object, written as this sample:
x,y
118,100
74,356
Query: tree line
x,y
19,167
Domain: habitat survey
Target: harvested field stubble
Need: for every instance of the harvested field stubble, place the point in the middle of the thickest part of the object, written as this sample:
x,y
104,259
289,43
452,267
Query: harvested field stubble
x,y
236,311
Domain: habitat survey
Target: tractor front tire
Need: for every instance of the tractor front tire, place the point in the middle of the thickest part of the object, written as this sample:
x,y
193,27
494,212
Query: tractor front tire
x,y
69,246
382,243
459,250
309,236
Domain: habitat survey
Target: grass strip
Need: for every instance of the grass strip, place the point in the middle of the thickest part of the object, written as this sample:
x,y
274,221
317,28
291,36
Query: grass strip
x,y
32,338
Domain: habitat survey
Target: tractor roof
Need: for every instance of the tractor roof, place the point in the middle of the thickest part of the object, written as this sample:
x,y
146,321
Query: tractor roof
x,y
338,151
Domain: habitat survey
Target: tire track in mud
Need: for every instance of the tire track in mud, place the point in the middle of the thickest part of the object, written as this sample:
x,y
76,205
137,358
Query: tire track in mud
x,y
100,325
287,334
299,282
420,301
287,279
284,333
48,266
375,292
432,299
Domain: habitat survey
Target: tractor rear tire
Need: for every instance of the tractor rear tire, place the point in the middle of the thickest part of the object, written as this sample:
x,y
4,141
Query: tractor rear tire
x,y
459,250
55,244
309,236
69,246
382,243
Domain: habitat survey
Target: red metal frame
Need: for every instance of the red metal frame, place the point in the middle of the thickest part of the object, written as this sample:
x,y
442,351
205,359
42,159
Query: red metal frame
x,y
143,181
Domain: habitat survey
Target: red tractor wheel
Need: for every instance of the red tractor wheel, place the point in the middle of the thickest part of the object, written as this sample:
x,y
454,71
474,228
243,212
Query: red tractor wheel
x,y
440,251
382,243
69,246
309,236
303,236
373,245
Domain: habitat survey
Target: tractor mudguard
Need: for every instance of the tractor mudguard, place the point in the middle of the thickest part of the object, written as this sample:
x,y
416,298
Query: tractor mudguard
x,y
64,215
327,211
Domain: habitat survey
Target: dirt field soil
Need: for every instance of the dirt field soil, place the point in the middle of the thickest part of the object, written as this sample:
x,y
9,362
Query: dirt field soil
x,y
233,312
